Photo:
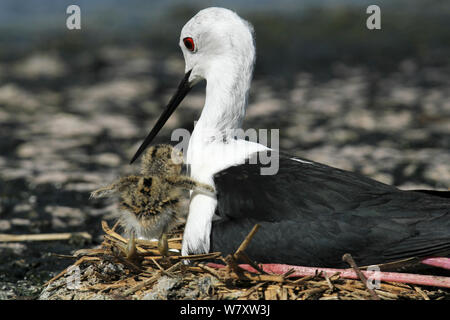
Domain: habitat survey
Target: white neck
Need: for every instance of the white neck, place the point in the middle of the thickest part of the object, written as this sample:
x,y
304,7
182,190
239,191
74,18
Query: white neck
x,y
227,87
212,148
228,84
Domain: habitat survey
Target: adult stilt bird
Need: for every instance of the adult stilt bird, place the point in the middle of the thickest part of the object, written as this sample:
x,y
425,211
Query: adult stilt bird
x,y
310,213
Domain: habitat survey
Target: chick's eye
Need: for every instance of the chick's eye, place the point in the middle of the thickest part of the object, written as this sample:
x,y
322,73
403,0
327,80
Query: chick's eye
x,y
189,43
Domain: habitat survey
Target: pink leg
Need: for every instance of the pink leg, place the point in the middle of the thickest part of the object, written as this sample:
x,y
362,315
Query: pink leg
x,y
440,262
435,281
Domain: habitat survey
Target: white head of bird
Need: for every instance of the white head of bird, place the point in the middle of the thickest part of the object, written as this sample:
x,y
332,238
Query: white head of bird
x,y
218,47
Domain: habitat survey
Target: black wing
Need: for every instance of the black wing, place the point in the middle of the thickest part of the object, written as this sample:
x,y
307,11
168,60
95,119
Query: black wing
x,y
312,214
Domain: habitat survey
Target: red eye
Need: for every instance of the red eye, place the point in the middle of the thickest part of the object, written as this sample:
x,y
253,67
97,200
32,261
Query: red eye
x,y
189,43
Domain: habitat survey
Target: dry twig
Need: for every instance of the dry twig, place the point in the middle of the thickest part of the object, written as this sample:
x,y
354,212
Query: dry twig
x,y
348,258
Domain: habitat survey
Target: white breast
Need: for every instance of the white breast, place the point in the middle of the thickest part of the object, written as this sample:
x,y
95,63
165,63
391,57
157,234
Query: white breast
x,y
205,160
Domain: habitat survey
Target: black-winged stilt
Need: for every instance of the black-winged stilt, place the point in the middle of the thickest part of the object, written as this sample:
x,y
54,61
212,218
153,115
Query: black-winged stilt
x,y
310,213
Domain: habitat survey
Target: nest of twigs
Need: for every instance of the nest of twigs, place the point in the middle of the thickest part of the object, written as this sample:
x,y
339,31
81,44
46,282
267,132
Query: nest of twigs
x,y
105,272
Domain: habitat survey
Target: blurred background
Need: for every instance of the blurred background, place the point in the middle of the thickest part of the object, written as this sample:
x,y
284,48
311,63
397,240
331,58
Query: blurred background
x,y
76,104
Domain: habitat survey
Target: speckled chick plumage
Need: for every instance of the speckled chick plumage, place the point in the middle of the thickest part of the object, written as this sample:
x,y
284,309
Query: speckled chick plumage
x,y
151,202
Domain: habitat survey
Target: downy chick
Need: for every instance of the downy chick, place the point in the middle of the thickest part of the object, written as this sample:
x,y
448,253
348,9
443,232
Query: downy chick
x,y
152,201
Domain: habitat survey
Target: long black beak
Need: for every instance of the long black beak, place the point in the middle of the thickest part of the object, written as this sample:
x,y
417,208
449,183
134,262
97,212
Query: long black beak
x,y
183,89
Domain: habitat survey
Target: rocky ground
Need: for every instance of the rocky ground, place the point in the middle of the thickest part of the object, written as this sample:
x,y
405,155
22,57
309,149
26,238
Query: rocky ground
x,y
68,126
